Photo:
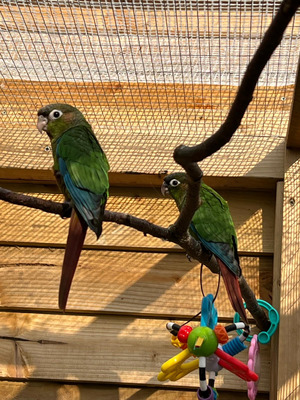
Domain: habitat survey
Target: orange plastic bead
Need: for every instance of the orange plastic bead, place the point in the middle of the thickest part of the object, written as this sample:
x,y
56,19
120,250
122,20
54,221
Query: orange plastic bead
x,y
221,334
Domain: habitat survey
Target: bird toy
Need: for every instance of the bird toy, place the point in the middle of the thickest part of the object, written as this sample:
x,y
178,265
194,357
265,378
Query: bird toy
x,y
211,348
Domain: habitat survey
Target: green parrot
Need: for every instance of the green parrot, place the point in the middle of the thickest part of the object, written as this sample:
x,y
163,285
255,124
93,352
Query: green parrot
x,y
212,225
81,170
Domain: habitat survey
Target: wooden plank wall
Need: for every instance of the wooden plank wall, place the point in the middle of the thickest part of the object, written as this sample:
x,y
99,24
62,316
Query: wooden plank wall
x,y
112,340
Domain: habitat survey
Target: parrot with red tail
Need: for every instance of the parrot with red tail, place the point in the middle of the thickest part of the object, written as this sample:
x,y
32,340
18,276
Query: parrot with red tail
x,y
212,225
81,171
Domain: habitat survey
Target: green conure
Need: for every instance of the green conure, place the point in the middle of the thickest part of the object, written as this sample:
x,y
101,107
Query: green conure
x,y
81,171
212,225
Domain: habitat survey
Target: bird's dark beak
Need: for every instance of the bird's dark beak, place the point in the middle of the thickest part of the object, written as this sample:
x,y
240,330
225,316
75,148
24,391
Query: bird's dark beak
x,y
164,189
42,123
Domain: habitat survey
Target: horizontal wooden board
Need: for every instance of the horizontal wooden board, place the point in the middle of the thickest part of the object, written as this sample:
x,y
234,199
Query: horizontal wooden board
x,y
13,177
151,96
56,391
98,349
19,176
253,216
120,282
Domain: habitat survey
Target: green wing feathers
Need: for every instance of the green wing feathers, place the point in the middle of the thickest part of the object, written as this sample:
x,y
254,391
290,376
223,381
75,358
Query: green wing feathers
x,y
85,160
213,219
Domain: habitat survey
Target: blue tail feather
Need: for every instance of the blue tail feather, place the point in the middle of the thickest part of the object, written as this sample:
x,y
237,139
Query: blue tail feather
x,y
221,250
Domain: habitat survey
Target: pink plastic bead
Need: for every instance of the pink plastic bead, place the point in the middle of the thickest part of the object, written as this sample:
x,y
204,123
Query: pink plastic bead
x,y
254,365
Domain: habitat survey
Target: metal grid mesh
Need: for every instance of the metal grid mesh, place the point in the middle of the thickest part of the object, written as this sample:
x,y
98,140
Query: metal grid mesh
x,y
148,75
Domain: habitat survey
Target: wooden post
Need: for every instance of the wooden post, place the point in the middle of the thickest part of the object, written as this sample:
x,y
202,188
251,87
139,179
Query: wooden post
x,y
276,285
288,383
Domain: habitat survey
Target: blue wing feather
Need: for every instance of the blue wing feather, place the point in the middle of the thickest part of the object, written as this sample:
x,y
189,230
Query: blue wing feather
x,y
220,250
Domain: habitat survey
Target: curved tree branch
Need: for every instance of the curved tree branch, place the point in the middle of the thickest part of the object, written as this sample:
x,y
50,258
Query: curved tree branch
x,y
192,202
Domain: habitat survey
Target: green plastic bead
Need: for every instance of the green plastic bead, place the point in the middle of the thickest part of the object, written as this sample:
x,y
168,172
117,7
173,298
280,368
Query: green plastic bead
x,y
209,345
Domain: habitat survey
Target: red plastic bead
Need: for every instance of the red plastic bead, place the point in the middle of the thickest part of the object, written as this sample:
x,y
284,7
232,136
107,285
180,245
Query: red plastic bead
x,y
183,333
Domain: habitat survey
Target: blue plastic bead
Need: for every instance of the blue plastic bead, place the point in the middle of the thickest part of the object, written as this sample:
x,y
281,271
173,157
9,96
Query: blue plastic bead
x,y
234,347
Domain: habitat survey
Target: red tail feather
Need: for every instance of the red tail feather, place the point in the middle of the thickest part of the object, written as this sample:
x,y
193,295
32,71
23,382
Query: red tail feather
x,y
233,290
76,236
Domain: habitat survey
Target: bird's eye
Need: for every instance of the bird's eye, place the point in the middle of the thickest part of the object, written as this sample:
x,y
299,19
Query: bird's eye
x,y
174,182
55,114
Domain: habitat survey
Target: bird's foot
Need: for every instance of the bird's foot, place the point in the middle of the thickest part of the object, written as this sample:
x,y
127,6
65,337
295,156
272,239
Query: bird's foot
x,y
67,209
189,257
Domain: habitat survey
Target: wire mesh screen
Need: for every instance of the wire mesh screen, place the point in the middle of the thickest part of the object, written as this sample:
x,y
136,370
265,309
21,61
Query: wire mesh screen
x,y
148,75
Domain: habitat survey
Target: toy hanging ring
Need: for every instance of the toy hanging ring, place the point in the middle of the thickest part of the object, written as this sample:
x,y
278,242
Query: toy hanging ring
x,y
264,336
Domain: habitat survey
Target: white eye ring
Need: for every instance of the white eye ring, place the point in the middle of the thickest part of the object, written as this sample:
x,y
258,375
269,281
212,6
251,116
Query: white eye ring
x,y
174,182
55,114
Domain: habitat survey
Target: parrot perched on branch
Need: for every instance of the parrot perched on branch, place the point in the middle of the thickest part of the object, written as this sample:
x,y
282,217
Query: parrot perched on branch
x,y
212,225
81,170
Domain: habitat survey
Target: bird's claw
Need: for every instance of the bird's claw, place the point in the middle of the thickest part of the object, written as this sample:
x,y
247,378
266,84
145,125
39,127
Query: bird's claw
x,y
189,257
67,209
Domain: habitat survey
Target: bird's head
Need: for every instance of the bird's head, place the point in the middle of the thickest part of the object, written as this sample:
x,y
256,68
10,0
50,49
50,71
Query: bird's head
x,y
55,119
175,185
